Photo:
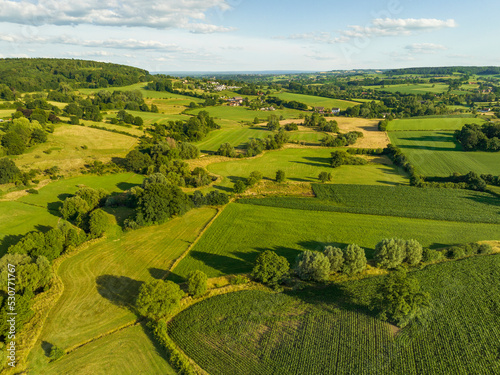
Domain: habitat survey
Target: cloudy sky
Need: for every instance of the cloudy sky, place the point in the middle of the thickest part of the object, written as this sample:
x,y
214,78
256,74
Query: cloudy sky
x,y
254,35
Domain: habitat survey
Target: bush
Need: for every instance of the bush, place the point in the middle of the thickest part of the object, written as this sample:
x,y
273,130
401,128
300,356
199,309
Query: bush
x,y
280,176
336,258
55,353
9,172
390,253
239,280
312,265
239,187
254,178
325,176
455,252
431,256
99,223
354,260
32,191
413,252
270,268
226,150
158,298
485,249
197,283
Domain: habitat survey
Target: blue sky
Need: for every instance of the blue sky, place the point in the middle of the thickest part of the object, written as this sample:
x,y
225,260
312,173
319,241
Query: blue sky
x,y
242,35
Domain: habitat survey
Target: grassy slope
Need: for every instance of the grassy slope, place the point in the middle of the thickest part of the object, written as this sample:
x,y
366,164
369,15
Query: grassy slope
x,y
127,352
305,165
329,330
241,232
432,123
103,280
438,154
317,101
245,114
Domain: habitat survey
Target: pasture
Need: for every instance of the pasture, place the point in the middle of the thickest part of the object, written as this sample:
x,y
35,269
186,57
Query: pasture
x,y
305,164
127,352
331,330
244,114
416,89
316,101
102,281
232,243
434,124
438,154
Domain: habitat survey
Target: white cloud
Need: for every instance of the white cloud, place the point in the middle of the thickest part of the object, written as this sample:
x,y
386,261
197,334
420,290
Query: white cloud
x,y
425,48
165,14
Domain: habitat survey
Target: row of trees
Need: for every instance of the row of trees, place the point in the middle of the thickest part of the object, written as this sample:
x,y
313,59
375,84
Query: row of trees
x,y
474,137
341,140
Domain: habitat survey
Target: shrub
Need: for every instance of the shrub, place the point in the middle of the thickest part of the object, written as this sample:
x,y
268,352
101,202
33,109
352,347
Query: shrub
x,y
390,253
280,176
354,260
99,223
158,298
413,252
270,268
239,187
226,150
325,176
431,256
312,265
197,283
55,353
9,172
455,252
336,258
485,249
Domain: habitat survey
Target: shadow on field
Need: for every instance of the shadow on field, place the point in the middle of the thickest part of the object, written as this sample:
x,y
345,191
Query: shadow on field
x,y
53,207
178,279
226,264
7,241
160,350
392,183
223,188
314,161
120,290
47,347
157,273
125,185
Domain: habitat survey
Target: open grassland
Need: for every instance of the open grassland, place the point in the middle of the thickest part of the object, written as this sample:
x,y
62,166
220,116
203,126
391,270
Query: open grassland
x,y
102,282
243,114
317,101
304,165
417,89
132,130
126,352
438,154
372,137
54,194
401,201
17,219
232,243
452,123
330,330
65,148
6,113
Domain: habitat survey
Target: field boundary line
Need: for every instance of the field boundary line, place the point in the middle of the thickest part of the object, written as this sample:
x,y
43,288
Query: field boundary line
x,y
190,247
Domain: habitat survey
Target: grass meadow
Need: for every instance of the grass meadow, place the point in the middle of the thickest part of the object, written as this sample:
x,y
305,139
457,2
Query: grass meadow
x,y
417,89
434,124
244,114
439,154
232,243
317,101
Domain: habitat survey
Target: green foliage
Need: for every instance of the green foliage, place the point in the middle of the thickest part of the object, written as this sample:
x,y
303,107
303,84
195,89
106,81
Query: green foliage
x,y
226,150
432,256
158,298
325,177
239,187
254,178
390,253
414,252
354,260
13,143
341,140
99,223
273,123
93,197
197,283
313,265
73,208
56,353
280,176
137,162
270,268
336,257
341,157
399,298
160,202
475,137
9,172
31,273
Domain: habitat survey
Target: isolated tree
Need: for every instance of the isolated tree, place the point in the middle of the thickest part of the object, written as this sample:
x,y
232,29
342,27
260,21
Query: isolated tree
x,y
158,298
254,178
399,298
325,176
197,283
270,268
73,207
336,257
99,223
414,252
390,253
227,150
312,265
137,162
280,176
92,196
13,143
354,260
239,187
273,123
9,172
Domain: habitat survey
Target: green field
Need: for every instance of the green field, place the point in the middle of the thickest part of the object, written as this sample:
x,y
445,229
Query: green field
x,y
238,135
438,154
17,219
417,89
241,232
452,123
317,101
126,352
401,201
304,165
102,281
244,114
330,330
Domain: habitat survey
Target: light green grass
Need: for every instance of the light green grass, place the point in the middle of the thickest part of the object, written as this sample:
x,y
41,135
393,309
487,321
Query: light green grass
x,y
102,282
317,101
454,123
17,219
438,154
305,165
242,114
127,352
57,191
241,232
420,88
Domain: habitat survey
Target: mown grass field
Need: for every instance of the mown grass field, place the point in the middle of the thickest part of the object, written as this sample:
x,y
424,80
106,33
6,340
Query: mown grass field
x,y
232,243
127,352
401,201
452,123
65,147
330,330
438,154
416,89
102,281
304,165
244,114
317,101
17,219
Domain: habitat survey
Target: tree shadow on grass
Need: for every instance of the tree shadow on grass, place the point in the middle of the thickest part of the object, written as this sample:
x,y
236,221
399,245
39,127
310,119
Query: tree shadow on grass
x,y
157,273
53,207
124,186
47,347
120,290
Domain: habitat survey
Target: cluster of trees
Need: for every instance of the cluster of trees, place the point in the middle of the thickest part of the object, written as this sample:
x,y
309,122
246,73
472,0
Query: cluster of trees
x,y
41,74
272,142
9,172
213,198
241,185
123,117
21,133
474,137
316,120
341,157
129,100
193,130
293,104
341,140
390,253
